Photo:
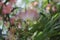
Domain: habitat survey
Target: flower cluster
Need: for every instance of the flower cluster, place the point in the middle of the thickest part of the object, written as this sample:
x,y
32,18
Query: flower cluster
x,y
9,23
6,6
30,14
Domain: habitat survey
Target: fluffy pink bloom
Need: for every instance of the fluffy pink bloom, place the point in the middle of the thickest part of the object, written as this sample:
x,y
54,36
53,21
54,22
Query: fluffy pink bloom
x,y
48,7
1,4
54,9
7,9
19,25
12,1
12,20
30,14
1,0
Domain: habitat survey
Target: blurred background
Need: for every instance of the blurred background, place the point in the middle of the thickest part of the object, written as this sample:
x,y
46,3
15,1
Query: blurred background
x,y
29,19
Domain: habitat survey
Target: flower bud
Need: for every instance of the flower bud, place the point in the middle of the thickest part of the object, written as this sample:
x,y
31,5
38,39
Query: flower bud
x,y
48,7
54,9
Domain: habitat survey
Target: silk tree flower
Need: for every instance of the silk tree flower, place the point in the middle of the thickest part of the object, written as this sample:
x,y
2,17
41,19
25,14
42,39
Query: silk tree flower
x,y
35,3
54,9
48,7
30,14
12,1
1,4
12,20
19,25
7,9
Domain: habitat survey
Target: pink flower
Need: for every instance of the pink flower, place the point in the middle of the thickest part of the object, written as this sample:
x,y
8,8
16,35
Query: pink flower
x,y
54,9
19,25
7,9
5,23
12,20
1,4
1,0
12,1
30,14
35,3
48,7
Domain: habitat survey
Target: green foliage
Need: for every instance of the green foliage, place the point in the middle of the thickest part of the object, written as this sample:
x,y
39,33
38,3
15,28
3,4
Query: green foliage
x,y
46,27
